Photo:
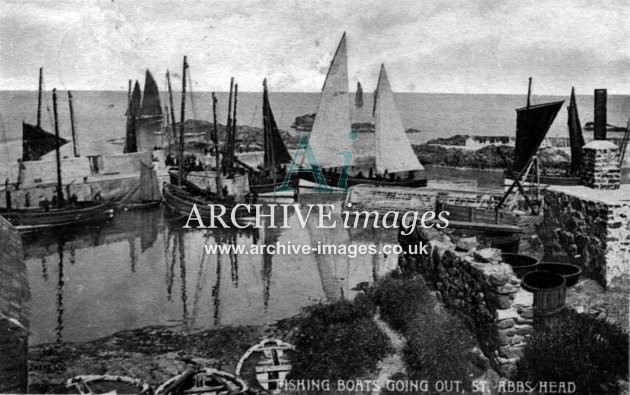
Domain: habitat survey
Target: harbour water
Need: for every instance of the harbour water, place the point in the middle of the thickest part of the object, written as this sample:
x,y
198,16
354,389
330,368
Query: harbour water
x,y
143,269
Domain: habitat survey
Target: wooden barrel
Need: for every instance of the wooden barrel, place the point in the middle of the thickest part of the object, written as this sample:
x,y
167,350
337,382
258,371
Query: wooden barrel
x,y
550,293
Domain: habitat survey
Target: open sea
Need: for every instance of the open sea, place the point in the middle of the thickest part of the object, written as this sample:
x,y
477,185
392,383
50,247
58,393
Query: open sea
x,y
143,269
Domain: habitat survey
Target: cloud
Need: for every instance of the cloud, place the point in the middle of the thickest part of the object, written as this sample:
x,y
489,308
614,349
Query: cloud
x,y
429,46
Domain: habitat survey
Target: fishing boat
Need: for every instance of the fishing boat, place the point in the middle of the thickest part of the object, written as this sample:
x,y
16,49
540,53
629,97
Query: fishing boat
x,y
532,124
144,114
151,107
265,366
59,212
391,162
37,142
149,195
275,152
182,195
107,384
206,381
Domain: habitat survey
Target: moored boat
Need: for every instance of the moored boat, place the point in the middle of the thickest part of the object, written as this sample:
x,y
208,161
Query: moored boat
x,y
149,195
28,219
203,381
59,212
181,195
265,366
275,152
107,384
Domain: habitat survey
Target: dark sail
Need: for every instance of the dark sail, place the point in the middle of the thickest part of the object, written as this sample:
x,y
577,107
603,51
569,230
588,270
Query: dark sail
x,y
131,139
575,135
151,100
358,97
275,150
36,142
532,124
136,100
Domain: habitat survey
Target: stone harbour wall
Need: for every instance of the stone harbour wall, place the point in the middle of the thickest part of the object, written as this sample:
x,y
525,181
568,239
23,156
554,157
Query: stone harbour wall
x,y
15,298
594,233
478,285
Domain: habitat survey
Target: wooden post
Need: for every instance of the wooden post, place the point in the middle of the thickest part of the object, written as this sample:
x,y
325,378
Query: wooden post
x,y
39,97
74,135
181,126
217,158
599,122
58,155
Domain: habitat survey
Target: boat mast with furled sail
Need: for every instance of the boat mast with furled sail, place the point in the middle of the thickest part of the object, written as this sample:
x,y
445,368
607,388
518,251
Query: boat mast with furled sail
x,y
188,189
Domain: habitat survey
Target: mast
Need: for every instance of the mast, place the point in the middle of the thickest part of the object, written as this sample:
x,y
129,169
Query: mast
x,y
576,138
170,99
228,126
74,135
58,156
270,158
181,126
233,132
216,143
39,97
529,92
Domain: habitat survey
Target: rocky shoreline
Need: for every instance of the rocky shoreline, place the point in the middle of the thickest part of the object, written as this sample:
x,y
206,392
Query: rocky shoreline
x,y
153,354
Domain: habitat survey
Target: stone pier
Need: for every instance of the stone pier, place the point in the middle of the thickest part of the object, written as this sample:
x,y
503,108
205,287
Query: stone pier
x,y
590,228
483,289
15,298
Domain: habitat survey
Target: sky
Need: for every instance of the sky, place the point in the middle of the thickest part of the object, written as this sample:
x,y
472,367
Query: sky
x,y
452,46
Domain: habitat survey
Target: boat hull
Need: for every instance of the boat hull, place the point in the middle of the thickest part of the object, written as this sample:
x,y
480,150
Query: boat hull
x,y
181,201
333,181
550,180
38,218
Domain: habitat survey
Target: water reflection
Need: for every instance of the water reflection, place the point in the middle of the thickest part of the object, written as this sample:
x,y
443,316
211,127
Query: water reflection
x,y
143,269
60,284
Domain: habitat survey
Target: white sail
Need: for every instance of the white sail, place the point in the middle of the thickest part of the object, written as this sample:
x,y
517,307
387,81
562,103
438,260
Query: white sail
x,y
393,149
332,122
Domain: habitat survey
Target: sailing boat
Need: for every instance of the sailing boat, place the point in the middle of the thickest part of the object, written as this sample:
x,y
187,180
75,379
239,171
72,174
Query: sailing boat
x,y
532,124
275,151
131,141
151,107
36,142
184,195
145,112
59,212
149,195
395,160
